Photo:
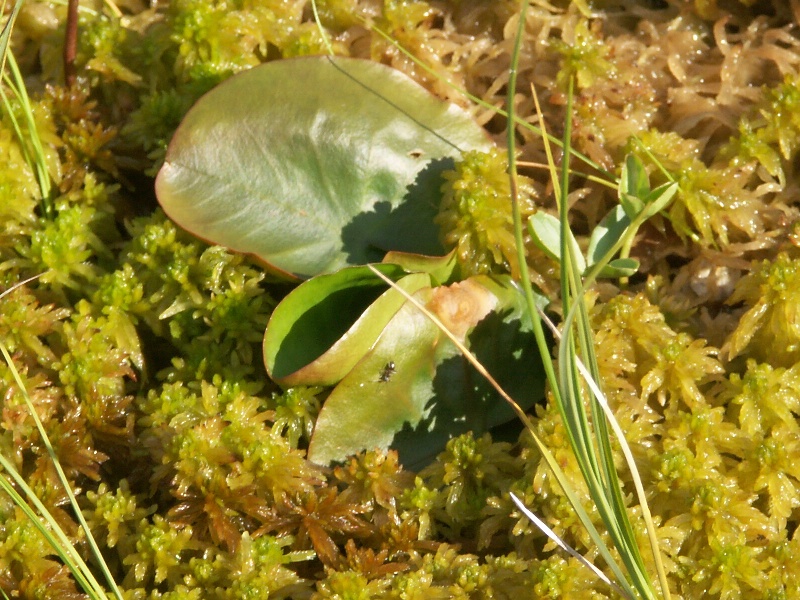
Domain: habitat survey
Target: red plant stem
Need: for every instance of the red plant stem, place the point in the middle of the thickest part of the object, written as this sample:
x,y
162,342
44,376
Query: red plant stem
x,y
71,43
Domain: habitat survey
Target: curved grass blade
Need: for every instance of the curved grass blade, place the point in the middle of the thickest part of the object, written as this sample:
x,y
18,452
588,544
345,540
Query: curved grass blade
x,y
551,461
63,547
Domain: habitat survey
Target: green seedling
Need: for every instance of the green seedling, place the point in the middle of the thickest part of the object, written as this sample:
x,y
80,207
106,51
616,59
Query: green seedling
x,y
591,444
617,230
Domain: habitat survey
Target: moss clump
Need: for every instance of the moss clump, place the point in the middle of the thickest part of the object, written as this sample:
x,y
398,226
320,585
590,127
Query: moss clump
x,y
771,136
475,214
140,345
769,331
584,58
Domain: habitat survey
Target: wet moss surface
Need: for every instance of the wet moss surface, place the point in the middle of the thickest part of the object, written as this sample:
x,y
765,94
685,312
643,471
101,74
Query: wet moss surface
x,y
141,346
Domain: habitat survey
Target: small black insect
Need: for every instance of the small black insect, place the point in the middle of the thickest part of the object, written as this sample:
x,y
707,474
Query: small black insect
x,y
387,372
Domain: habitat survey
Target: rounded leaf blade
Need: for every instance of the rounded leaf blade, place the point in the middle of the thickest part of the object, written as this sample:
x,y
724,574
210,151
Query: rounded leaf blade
x,y
316,163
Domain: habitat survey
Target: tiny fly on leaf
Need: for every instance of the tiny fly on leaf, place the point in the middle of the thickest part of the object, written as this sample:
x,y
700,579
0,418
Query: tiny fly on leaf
x,y
387,372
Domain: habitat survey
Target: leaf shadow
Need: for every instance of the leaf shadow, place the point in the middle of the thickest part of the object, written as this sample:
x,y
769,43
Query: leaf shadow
x,y
464,401
407,227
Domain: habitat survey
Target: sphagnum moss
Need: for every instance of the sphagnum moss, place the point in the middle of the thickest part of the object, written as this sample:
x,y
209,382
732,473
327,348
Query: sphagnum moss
x,y
475,214
140,345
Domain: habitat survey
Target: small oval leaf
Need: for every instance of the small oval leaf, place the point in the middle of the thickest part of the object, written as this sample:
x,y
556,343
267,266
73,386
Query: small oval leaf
x,y
606,234
326,325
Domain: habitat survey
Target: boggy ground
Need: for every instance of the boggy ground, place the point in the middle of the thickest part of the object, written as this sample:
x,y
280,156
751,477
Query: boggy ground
x,y
141,346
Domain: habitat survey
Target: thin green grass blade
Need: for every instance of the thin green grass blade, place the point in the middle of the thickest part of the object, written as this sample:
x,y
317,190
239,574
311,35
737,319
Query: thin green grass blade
x,y
594,453
637,480
324,34
551,461
60,543
556,389
64,481
38,161
5,33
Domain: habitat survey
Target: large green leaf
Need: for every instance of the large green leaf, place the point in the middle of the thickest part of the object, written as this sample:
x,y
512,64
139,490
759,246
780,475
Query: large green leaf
x,y
413,390
315,163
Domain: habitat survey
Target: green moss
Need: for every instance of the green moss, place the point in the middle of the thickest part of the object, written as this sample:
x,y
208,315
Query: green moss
x,y
152,124
468,472
296,411
772,136
584,57
475,214
25,326
348,585
205,301
769,331
208,40
114,515
62,249
161,549
19,191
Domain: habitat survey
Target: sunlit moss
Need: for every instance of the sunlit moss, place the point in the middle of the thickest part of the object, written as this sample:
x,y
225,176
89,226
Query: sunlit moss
x,y
19,191
25,325
210,39
64,248
733,569
583,57
95,368
306,40
765,397
475,214
770,330
772,136
160,548
114,515
296,410
559,577
101,46
376,478
349,585
259,569
205,300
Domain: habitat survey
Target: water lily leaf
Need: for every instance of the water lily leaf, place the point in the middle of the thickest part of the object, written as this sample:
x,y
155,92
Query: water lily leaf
x,y
314,164
413,391
326,325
